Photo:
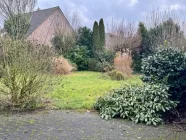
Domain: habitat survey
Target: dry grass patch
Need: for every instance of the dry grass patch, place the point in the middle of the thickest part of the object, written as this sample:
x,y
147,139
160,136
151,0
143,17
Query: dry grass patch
x,y
62,66
123,64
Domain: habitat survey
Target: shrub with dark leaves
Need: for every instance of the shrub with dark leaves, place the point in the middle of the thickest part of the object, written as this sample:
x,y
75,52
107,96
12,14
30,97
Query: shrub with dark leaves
x,y
141,104
79,56
167,66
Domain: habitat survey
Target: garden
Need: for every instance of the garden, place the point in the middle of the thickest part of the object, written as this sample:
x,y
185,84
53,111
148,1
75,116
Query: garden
x,y
137,73
81,89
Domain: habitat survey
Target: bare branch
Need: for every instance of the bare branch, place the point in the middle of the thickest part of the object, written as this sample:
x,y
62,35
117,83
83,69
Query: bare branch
x,y
17,16
9,8
170,27
123,36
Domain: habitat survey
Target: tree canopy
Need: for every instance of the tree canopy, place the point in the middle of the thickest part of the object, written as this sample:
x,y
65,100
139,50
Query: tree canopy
x,y
102,34
96,37
17,26
84,38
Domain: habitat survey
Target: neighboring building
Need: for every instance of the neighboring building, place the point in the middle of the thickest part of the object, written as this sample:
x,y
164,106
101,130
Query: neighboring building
x,y
121,43
113,41
45,23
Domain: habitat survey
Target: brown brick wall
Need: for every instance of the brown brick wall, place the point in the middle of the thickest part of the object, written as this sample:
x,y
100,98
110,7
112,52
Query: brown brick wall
x,y
46,31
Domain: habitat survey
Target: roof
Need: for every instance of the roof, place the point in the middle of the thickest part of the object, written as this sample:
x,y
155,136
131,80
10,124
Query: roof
x,y
38,17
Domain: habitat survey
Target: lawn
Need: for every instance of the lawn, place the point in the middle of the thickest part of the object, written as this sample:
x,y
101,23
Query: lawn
x,y
82,88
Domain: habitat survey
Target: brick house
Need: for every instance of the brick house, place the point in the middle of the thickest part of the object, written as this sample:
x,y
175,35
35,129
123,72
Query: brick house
x,y
45,23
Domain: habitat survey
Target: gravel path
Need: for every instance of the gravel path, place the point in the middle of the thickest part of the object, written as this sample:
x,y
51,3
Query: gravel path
x,y
67,125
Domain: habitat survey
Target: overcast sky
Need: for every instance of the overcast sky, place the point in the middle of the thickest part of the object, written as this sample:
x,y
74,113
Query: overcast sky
x,y
130,10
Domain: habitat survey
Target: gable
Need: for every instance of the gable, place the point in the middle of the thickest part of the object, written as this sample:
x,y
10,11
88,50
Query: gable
x,y
38,17
44,33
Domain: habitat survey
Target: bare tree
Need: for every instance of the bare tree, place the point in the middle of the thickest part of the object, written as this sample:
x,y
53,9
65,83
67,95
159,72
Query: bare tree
x,y
9,8
74,18
166,26
17,15
122,36
63,43
65,37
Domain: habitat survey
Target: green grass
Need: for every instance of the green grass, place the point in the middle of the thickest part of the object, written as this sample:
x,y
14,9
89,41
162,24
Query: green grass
x,y
82,88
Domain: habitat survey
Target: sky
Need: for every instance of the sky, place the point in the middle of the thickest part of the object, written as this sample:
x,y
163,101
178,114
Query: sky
x,y
129,10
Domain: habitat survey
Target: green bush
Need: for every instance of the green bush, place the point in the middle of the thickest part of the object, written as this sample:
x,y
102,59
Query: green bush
x,y
24,90
63,44
116,75
79,56
1,71
84,38
102,62
74,65
167,66
92,64
25,75
141,104
106,58
136,63
95,65
143,50
17,26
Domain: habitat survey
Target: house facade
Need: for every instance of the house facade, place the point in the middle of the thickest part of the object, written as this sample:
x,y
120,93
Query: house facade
x,y
45,23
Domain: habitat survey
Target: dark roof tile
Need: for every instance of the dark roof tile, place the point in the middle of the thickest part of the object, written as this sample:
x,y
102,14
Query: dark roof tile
x,y
38,17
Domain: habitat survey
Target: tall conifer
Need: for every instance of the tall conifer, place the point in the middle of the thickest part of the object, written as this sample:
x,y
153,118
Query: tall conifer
x,y
96,37
102,34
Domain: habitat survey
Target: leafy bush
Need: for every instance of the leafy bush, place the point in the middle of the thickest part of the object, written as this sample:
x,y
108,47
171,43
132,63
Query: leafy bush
x,y
79,56
74,66
95,65
136,61
24,75
141,51
167,66
103,62
84,38
123,64
116,75
17,26
63,43
62,66
92,64
168,30
1,71
24,90
141,104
